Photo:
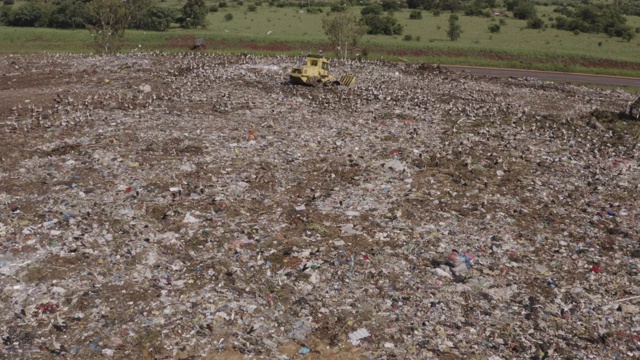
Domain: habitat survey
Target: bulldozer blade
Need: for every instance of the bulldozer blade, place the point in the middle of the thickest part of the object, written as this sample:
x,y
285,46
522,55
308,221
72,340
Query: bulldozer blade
x,y
347,80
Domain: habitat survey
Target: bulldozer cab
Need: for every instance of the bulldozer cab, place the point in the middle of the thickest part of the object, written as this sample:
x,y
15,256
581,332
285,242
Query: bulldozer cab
x,y
320,63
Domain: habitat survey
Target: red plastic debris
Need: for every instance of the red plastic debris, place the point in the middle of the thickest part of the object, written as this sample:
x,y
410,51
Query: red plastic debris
x,y
47,308
595,269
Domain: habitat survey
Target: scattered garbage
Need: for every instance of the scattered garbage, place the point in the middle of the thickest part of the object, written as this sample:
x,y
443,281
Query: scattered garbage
x,y
358,335
196,207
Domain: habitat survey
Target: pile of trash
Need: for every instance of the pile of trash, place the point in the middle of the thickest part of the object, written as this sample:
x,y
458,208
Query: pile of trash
x,y
197,206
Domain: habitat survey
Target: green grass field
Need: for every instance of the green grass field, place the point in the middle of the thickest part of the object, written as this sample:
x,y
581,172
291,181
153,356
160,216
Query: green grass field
x,y
513,46
288,24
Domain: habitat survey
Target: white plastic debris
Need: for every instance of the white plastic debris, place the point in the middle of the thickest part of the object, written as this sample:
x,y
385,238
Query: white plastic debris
x,y
108,352
441,273
190,219
358,335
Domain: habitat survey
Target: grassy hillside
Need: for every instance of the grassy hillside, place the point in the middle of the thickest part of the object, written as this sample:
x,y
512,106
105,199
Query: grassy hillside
x,y
293,30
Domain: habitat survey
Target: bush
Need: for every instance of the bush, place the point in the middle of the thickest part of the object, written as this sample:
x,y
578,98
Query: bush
x,y
436,12
638,30
415,15
502,22
535,23
338,8
474,10
314,10
156,18
628,35
214,8
451,5
374,9
222,4
494,28
8,2
252,8
228,17
407,37
390,5
385,25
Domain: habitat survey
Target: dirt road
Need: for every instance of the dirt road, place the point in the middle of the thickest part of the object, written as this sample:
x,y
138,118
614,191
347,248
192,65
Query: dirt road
x,y
550,75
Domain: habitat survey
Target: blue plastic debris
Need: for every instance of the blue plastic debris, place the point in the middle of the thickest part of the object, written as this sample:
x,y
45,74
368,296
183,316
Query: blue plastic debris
x,y
304,351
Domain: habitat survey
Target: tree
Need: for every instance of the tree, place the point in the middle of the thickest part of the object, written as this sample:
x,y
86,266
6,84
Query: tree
x,y
5,15
68,14
194,14
30,14
455,30
525,10
344,32
108,19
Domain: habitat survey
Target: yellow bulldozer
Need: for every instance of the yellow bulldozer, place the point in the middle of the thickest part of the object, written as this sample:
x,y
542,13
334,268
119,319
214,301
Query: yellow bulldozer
x,y
316,72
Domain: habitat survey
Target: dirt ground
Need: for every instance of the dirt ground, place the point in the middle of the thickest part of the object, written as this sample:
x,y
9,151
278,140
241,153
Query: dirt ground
x,y
197,206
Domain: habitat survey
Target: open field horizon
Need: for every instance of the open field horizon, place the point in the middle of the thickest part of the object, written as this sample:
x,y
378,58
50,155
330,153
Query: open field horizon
x,y
292,31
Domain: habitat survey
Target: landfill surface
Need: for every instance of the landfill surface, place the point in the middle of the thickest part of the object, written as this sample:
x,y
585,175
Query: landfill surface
x,y
198,206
